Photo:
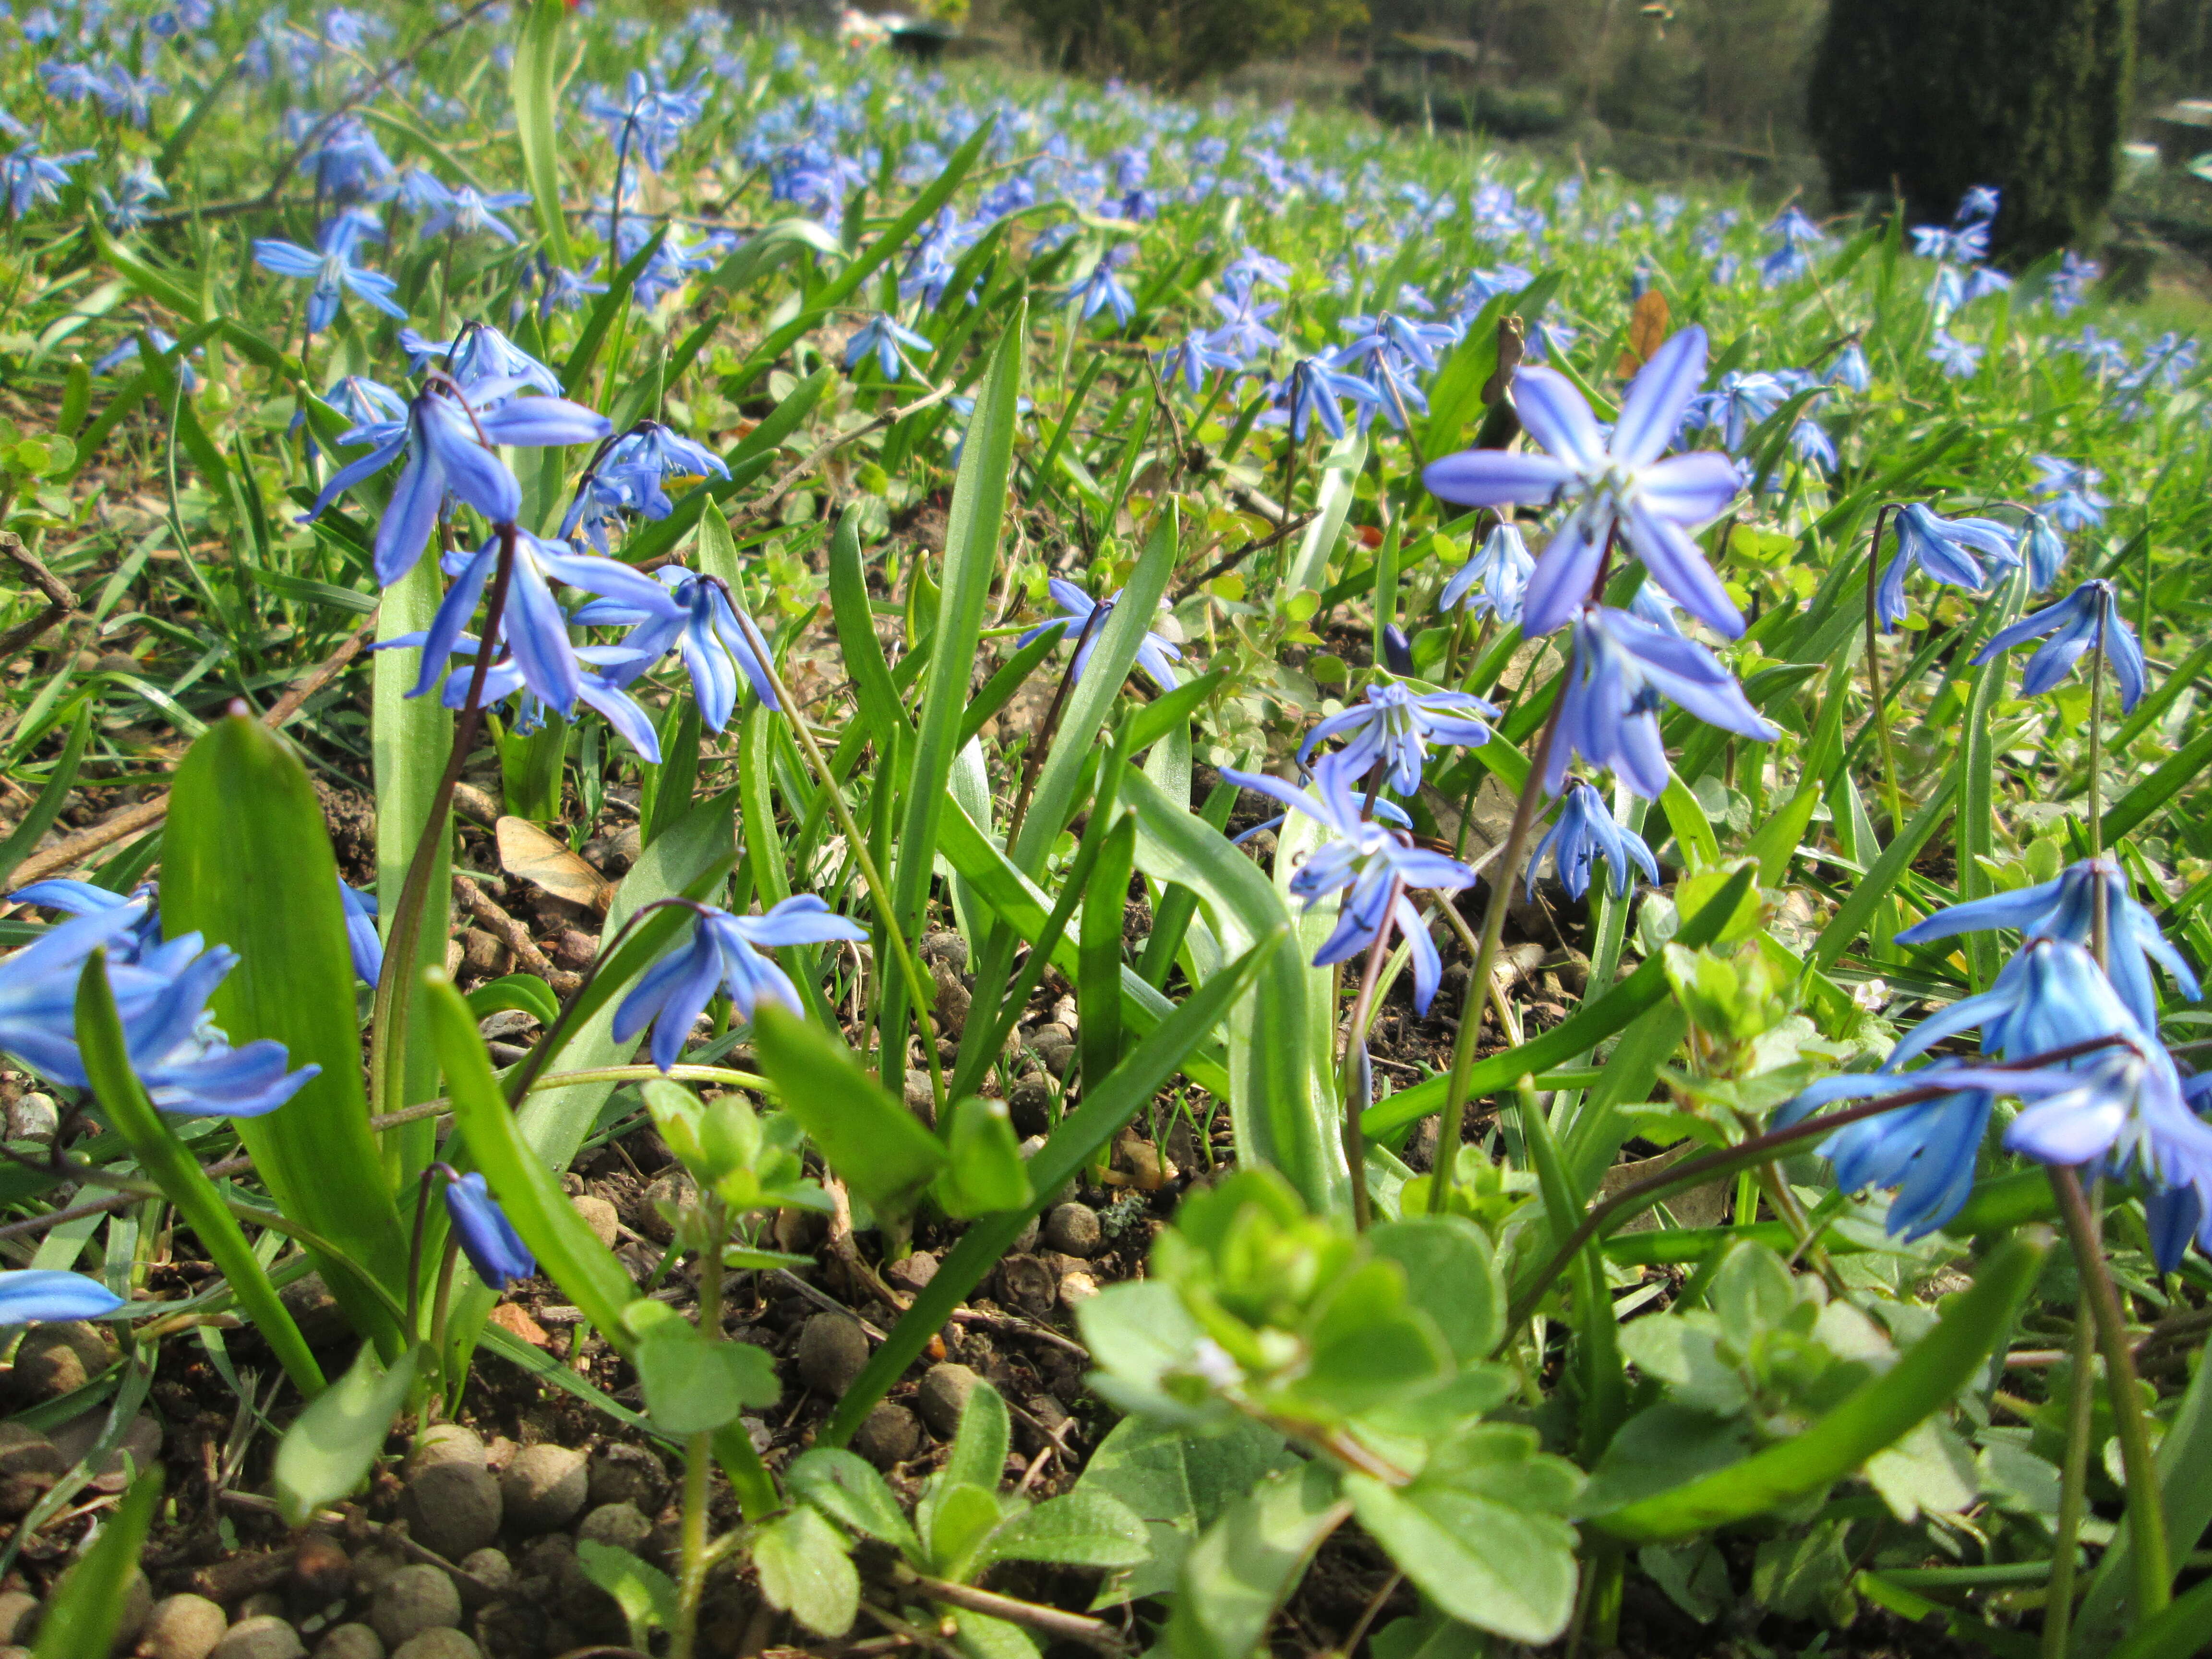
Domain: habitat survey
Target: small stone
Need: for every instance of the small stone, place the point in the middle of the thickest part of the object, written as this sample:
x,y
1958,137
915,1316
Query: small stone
x,y
374,1567
491,1568
544,1489
29,1465
439,1645
1077,1286
321,1572
413,1600
943,1397
1051,1033
452,1508
508,1024
140,1448
1073,1230
262,1604
53,1359
887,1436
911,1272
350,1641
1029,1105
443,1442
575,948
19,1616
920,1099
514,1318
265,1637
601,1217
1027,1283
1145,1165
832,1349
182,1627
629,1475
32,1116
620,1526
482,953
942,944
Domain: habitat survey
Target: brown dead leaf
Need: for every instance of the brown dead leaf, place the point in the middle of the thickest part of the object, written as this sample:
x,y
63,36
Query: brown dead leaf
x,y
516,1321
543,860
1647,332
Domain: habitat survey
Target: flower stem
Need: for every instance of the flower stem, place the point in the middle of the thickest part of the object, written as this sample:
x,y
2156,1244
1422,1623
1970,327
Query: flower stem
x,y
2073,1489
1355,1041
698,1455
2096,759
1874,676
2154,1577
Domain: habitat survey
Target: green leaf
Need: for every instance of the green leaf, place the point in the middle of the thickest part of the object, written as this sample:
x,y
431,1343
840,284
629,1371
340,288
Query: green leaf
x,y
646,1595
857,644
1854,915
771,246
983,1170
165,1160
804,1571
156,285
957,1518
1172,709
1098,949
978,1457
2175,1633
1247,1564
35,822
607,307
1485,1561
1877,1414
332,1445
848,1490
694,1385
1179,1481
247,863
1692,830
871,1140
1451,1275
84,1610
533,85
1078,1529
2177,770
525,993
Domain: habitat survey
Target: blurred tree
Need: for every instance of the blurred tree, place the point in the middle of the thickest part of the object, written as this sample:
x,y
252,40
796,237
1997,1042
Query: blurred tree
x,y
1927,98
1173,43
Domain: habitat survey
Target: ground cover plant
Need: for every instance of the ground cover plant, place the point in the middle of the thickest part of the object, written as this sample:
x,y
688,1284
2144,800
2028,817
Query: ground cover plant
x,y
812,854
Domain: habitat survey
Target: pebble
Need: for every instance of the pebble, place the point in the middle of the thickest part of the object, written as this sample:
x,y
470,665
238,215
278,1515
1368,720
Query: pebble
x,y
832,1348
137,1604
29,1464
350,1641
601,1217
887,1436
491,1568
452,1508
262,1604
33,1116
258,1639
629,1475
443,1442
1077,1286
320,1571
943,1397
1029,1105
913,1271
182,1627
920,1098
1030,1285
53,1359
1073,1230
413,1600
321,1321
543,1488
19,1616
945,945
621,1526
439,1645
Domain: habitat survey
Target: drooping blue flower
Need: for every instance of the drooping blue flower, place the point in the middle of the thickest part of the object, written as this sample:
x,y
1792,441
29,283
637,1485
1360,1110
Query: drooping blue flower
x,y
1621,669
1978,205
28,178
1415,342
1394,726
32,1294
347,164
2042,548
706,633
2089,616
81,898
1192,361
1495,577
630,476
647,119
467,211
127,97
1938,547
2065,907
567,290
1814,449
133,351
333,273
1311,392
884,335
726,954
1737,404
1584,830
594,689
1104,290
1926,1152
479,353
486,1236
1076,607
1957,358
1617,484
129,206
449,442
1849,369
1367,858
2076,503
361,942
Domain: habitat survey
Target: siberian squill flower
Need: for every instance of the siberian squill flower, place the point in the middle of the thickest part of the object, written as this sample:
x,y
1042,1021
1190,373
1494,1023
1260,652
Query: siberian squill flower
x,y
1192,361
333,273
1585,830
28,178
81,898
884,335
1619,485
1926,1152
1311,392
1494,578
2076,503
30,1295
466,210
349,163
486,1236
1812,445
504,679
1394,727
2088,617
1939,547
1101,290
133,351
2043,549
2065,907
1368,858
1739,403
1849,369
1245,334
1075,621
705,632
1957,358
727,953
1622,667
450,441
128,208
631,473
478,352
366,949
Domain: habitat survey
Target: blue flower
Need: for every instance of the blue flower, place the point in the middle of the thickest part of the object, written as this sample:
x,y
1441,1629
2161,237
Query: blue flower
x,y
133,351
348,164
1076,608
1957,358
493,1249
1849,369
1620,483
2065,908
1495,577
1192,360
2041,547
1368,858
81,898
2088,617
333,274
361,942
1394,726
479,352
653,117
567,290
1585,830
1101,290
1810,443
449,445
2076,503
504,679
884,335
706,634
28,1294
28,178
628,476
127,208
2051,994
1622,667
724,955
1312,391
1387,333
466,210
1939,547
1736,405
1245,334
1926,1152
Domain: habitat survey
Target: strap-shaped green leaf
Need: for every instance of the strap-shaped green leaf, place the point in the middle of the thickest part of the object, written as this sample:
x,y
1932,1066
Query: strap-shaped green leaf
x,y
533,81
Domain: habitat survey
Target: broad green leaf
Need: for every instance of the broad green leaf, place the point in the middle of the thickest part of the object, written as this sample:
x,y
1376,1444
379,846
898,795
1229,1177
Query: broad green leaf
x,y
1332,496
978,1457
863,653
694,1385
1179,1481
533,84
869,1140
165,1160
247,863
983,1169
1877,1414
1693,831
1451,1275
1486,1562
332,1445
804,1571
1078,1529
646,1595
1245,1566
848,1490
956,1517
84,1610
1428,1634
156,285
